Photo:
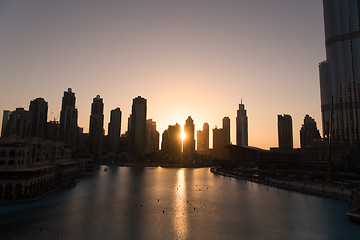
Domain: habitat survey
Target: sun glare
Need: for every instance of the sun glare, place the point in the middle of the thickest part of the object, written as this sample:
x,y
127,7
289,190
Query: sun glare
x,y
182,136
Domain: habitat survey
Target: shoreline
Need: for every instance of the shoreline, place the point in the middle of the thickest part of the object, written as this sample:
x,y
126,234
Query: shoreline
x,y
313,188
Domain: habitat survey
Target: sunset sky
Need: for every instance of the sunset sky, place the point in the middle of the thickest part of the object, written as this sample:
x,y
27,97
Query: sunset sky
x,y
186,57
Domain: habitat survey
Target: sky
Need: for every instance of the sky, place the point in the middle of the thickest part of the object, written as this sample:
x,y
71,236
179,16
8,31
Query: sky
x,y
197,58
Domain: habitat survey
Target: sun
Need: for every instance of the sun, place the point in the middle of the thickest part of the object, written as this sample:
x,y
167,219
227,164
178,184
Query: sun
x,y
182,136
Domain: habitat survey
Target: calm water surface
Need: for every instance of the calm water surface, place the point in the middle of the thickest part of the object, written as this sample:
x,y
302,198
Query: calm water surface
x,y
174,203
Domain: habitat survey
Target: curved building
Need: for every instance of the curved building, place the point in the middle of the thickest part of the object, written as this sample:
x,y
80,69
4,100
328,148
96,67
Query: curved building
x,y
340,72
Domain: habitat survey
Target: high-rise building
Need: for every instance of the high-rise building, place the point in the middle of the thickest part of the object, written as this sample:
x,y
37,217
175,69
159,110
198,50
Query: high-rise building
x,y
171,141
96,127
202,137
218,141
151,137
138,126
114,130
241,126
20,123
340,72
285,132
226,127
5,123
52,130
309,133
189,141
68,119
39,109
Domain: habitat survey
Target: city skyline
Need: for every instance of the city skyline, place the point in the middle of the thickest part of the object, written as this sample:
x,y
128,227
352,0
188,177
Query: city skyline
x,y
195,69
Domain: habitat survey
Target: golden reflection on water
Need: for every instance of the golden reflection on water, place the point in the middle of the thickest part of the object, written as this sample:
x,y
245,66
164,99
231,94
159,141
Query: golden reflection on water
x,y
180,219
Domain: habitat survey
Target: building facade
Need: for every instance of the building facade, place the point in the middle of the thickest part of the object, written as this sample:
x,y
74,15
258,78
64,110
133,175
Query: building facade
x,y
96,127
39,109
138,126
114,130
68,119
5,123
241,126
189,141
202,137
340,72
309,133
152,137
285,132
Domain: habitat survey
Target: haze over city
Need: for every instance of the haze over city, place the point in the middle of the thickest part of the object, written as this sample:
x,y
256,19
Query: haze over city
x,y
187,58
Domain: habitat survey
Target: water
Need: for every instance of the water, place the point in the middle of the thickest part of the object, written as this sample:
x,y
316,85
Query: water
x,y
174,203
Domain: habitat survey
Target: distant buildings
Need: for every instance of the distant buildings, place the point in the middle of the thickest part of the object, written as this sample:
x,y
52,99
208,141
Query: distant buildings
x,y
241,126
171,141
68,119
203,139
340,72
20,123
285,132
114,130
39,109
152,137
96,128
138,126
5,123
309,133
189,141
221,137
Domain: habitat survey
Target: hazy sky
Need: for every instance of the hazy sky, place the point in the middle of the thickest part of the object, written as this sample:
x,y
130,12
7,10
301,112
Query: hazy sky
x,y
186,57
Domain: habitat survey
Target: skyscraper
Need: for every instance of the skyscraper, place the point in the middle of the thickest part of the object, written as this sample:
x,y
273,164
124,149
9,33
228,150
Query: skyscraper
x,y
340,72
151,137
39,109
138,126
5,123
203,139
189,141
309,132
114,129
241,126
68,119
285,132
171,141
226,127
96,127
20,123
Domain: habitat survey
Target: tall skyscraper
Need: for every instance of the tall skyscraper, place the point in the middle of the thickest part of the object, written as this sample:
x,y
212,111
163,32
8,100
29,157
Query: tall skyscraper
x,y
114,129
20,123
340,72
309,133
171,141
39,109
189,141
138,126
5,123
203,138
226,127
285,132
68,119
151,137
96,127
218,141
241,126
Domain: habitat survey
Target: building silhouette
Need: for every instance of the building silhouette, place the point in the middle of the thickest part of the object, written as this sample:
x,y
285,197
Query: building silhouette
x,y
39,109
221,137
241,126
285,132
171,141
138,126
189,141
114,130
20,123
5,123
203,139
309,133
52,130
96,127
152,137
226,127
340,72
68,119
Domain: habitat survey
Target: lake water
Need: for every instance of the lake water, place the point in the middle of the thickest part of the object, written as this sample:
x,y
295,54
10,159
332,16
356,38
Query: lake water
x,y
175,203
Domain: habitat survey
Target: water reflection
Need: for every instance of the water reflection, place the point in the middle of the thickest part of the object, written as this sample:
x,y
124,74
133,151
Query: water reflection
x,y
180,219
